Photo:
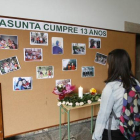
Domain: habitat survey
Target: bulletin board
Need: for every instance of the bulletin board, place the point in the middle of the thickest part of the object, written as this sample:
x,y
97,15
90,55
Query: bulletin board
x,y
29,110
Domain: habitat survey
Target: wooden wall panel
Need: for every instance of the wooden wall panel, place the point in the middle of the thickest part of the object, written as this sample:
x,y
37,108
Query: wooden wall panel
x,y
35,109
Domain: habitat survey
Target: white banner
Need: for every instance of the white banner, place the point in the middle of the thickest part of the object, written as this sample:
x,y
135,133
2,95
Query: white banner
x,y
50,27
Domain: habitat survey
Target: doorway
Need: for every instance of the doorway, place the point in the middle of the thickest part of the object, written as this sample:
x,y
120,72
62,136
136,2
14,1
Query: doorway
x,y
135,28
137,70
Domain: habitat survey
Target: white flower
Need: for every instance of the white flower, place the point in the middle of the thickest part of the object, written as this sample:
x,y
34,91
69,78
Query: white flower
x,y
70,104
63,102
60,85
59,103
89,101
81,103
99,99
67,103
77,104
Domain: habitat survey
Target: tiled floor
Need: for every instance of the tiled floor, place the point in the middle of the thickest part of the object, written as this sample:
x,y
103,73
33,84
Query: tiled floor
x,y
79,131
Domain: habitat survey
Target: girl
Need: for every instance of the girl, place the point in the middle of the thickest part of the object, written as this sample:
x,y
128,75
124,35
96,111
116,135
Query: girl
x,y
119,69
50,74
72,66
18,84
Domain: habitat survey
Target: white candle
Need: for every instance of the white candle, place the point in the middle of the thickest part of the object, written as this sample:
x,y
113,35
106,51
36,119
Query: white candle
x,y
80,92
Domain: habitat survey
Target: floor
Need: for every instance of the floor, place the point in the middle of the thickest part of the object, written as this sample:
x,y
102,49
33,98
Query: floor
x,y
79,131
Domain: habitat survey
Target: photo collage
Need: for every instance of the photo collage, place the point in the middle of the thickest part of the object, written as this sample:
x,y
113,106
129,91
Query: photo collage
x,y
11,64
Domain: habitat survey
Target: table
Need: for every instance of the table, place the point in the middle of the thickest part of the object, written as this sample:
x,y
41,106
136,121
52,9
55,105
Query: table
x,y
67,109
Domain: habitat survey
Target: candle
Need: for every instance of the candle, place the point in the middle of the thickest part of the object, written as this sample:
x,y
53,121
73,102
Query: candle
x,y
80,92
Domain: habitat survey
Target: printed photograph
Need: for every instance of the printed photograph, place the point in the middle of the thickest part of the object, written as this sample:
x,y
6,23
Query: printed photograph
x,y
33,54
100,58
94,43
44,72
79,48
38,38
9,65
8,42
22,83
88,71
69,64
57,45
63,82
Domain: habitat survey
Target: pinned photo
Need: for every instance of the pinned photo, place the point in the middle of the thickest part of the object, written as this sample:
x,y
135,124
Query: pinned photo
x,y
79,48
94,43
57,45
88,71
9,65
100,58
22,83
69,64
38,38
44,72
33,54
63,82
8,42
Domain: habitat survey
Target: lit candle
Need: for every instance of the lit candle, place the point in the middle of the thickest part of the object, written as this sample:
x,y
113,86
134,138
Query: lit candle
x,y
80,92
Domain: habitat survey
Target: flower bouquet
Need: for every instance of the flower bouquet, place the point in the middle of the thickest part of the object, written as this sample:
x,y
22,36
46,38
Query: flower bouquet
x,y
61,90
93,91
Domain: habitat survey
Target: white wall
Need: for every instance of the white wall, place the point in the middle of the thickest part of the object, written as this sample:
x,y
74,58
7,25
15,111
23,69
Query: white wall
x,y
109,14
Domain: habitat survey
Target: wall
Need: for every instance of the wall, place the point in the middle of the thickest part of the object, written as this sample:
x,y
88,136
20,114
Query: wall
x,y
109,14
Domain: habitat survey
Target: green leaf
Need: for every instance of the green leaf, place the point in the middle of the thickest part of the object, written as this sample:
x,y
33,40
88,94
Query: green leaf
x,y
73,98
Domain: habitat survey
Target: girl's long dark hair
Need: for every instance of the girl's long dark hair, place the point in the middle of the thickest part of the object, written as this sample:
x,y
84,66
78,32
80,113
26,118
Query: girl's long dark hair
x,y
120,68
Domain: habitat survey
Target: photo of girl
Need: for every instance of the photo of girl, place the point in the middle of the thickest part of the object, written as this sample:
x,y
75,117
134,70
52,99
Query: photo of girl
x,y
9,65
57,45
33,54
100,58
63,82
22,83
88,71
69,64
8,42
94,43
38,38
79,48
43,72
